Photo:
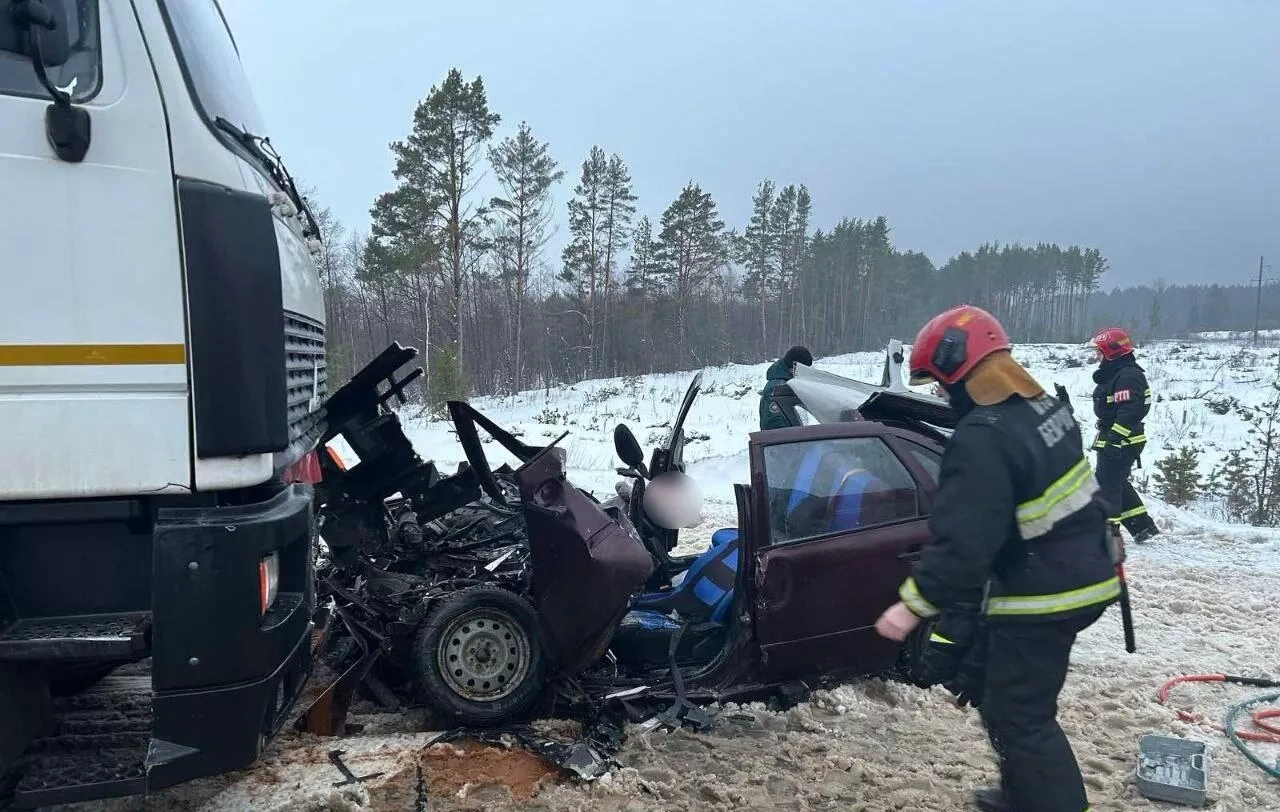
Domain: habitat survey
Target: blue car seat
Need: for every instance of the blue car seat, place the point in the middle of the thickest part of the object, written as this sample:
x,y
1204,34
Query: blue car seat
x,y
723,536
706,592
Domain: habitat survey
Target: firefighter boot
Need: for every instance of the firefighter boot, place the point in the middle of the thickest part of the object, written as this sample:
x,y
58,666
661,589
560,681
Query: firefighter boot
x,y
992,799
1145,535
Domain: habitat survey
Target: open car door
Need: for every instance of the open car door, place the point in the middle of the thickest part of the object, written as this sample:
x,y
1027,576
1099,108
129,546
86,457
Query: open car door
x,y
670,456
839,516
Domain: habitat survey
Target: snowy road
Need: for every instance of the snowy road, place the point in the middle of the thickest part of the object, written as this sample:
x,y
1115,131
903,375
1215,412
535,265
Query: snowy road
x,y
868,746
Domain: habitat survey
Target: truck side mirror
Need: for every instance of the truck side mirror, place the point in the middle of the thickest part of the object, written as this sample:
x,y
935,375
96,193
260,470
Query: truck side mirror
x,y
37,27
628,448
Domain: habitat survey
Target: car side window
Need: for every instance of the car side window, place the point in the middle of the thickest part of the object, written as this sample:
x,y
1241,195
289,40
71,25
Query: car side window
x,y
929,461
822,487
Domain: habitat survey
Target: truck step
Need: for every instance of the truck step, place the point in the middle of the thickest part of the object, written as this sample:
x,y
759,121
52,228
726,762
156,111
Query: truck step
x,y
85,637
97,746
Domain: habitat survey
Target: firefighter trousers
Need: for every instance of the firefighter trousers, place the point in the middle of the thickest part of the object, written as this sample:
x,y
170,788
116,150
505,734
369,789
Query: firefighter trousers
x,y
1026,667
1124,506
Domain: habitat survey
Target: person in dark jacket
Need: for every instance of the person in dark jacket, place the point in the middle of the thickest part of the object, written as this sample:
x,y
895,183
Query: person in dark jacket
x,y
1121,402
1019,564
780,371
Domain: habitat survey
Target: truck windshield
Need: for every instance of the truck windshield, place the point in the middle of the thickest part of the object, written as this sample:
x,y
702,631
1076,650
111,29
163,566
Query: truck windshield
x,y
79,75
212,63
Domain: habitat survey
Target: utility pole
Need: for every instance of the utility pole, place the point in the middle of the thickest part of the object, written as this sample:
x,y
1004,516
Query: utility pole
x,y
1257,313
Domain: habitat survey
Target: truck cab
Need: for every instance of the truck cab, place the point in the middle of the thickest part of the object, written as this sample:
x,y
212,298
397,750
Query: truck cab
x,y
162,368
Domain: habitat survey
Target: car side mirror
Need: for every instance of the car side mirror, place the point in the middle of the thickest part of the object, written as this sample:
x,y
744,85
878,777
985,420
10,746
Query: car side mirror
x,y
37,29
628,448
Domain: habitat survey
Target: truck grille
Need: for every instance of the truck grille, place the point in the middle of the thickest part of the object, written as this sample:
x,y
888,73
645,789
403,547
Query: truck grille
x,y
304,371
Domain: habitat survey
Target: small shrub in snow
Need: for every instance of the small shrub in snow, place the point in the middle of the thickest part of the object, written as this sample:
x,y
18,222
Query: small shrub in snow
x,y
1241,360
551,417
1177,478
602,394
1189,424
1221,405
1248,482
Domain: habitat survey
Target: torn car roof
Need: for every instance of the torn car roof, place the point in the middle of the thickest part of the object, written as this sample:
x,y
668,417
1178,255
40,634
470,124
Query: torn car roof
x,y
832,398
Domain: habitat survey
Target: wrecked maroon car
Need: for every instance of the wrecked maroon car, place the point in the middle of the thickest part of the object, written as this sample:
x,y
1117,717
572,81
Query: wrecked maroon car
x,y
491,594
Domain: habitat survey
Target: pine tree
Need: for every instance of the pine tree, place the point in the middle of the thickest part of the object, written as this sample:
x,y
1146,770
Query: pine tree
x,y
583,257
756,250
430,212
1177,477
1217,312
641,280
1234,483
782,222
691,248
619,204
798,249
1156,317
525,171
1248,481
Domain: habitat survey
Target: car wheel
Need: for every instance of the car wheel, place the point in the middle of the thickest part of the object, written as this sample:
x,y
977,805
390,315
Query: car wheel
x,y
478,656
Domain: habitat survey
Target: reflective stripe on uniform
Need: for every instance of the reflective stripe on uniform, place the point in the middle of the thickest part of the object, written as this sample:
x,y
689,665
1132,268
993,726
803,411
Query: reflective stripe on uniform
x,y
1136,439
1064,497
937,638
910,595
1101,592
1129,514
1121,430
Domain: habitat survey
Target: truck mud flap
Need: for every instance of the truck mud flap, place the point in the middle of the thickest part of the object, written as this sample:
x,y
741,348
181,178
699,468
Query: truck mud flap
x,y
327,715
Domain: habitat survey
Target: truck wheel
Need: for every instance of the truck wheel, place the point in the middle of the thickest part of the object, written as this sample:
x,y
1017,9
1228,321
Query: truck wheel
x,y
478,656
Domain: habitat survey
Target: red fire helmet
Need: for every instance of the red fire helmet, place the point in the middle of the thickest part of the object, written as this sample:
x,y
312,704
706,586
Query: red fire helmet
x,y
1112,342
951,344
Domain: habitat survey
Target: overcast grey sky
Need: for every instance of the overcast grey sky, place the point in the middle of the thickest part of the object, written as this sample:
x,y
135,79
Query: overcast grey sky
x,y
1149,129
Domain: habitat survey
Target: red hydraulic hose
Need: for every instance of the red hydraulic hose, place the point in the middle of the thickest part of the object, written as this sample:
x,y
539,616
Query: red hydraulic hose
x,y
1259,715
1266,732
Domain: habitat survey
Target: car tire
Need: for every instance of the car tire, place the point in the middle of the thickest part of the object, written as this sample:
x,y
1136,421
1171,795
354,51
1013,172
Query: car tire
x,y
478,657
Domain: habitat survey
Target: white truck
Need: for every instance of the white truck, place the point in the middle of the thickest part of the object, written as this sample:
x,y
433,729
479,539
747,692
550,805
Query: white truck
x,y
161,375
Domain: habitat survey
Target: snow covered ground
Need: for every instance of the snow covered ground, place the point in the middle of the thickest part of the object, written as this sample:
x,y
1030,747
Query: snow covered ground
x,y
1205,594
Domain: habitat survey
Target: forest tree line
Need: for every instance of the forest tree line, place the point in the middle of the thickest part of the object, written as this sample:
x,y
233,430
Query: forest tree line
x,y
468,279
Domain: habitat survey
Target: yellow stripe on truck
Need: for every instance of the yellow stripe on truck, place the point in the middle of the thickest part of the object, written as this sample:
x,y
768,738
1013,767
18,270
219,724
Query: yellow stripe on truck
x,y
60,355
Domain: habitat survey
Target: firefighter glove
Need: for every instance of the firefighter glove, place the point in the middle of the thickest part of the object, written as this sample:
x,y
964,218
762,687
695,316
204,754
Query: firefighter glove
x,y
949,641
1061,392
971,680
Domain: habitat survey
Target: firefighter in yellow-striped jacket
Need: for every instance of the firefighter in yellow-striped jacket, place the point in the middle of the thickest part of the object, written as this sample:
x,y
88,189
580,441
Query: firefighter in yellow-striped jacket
x,y
1121,402
1019,563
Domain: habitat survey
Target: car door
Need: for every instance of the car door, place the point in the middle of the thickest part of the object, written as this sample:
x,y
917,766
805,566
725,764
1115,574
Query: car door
x,y
839,520
670,456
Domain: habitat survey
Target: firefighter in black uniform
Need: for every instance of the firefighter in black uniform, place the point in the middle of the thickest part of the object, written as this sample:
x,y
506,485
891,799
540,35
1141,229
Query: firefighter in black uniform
x,y
1121,402
1019,563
